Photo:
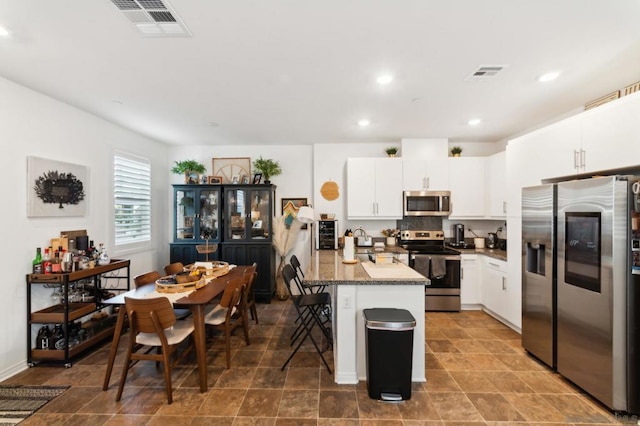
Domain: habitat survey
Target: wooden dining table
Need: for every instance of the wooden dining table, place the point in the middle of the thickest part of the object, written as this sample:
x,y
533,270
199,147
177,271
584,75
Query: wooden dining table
x,y
194,301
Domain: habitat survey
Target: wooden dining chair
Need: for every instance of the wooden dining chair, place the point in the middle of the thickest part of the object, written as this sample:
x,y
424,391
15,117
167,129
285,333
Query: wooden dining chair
x,y
153,324
250,275
150,278
173,268
146,278
229,314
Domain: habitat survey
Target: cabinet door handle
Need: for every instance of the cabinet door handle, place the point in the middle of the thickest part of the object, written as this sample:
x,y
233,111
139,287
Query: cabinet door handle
x,y
461,273
425,182
504,283
494,264
576,159
583,157
504,207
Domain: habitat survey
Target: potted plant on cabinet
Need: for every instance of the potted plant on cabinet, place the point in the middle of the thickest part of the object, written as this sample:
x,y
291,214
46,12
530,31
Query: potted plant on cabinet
x,y
189,168
391,151
267,167
456,151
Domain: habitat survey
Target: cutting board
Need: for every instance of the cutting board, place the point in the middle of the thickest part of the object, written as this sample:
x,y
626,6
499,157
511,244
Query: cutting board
x,y
394,271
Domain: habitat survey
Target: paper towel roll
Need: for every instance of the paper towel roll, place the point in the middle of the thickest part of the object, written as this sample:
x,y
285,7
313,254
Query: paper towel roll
x,y
348,253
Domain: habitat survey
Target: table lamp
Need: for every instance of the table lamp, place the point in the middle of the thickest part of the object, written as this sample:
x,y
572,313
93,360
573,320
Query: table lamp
x,y
307,215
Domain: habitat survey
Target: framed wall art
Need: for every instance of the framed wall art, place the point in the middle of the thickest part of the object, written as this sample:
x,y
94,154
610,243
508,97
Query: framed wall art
x,y
56,188
227,168
290,207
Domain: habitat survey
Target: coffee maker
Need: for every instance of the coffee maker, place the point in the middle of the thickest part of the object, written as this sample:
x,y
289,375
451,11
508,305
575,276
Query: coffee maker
x,y
458,235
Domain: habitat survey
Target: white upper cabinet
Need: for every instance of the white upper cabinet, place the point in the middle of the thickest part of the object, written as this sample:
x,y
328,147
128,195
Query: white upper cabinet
x,y
611,134
496,176
424,164
467,185
374,188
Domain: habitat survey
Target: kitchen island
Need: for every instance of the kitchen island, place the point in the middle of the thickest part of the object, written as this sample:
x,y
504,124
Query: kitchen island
x,y
365,285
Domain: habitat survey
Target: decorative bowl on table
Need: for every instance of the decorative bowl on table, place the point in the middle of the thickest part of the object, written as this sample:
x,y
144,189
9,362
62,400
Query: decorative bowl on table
x,y
184,281
212,269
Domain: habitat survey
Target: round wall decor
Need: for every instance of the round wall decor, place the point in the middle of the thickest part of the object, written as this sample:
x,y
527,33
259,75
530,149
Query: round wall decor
x,y
330,191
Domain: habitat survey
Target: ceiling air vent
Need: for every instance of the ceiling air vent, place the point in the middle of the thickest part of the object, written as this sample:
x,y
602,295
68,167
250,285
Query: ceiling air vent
x,y
486,71
153,18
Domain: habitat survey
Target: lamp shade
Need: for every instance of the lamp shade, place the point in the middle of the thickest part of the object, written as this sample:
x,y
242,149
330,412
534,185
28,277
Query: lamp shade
x,y
306,214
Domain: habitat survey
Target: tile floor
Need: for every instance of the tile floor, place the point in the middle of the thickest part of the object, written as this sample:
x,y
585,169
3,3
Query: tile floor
x,y
477,374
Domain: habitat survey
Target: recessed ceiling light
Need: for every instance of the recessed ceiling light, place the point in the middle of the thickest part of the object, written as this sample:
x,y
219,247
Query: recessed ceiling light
x,y
384,79
474,122
4,32
364,123
548,76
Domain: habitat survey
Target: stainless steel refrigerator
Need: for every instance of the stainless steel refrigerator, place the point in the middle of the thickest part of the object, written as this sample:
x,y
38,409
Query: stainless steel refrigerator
x,y
594,300
539,272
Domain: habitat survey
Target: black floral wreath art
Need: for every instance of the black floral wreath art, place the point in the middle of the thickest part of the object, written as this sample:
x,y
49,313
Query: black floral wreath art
x,y
61,188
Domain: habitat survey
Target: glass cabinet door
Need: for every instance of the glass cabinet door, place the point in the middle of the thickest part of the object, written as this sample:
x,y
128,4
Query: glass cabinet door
x,y
259,203
235,214
208,215
185,214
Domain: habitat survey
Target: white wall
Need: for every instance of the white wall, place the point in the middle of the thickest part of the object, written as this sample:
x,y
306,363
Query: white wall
x,y
32,124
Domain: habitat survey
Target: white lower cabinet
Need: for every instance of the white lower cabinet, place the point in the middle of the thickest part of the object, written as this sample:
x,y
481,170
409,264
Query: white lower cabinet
x,y
470,289
498,297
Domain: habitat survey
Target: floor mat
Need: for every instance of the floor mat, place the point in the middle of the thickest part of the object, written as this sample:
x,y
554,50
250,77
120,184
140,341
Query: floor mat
x,y
19,402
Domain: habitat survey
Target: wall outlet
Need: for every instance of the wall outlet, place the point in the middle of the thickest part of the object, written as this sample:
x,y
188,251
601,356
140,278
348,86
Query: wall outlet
x,y
346,302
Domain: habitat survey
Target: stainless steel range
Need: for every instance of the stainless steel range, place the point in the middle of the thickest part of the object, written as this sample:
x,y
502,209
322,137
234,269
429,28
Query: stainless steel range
x,y
429,256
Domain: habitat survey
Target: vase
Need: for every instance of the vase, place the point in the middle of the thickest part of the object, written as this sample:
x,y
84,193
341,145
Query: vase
x,y
391,155
391,241
457,154
281,289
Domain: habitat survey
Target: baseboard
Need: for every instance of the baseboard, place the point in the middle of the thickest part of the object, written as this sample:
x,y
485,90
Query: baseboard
x,y
502,320
13,370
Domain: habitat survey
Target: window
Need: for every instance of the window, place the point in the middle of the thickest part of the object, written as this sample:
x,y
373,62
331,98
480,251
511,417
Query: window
x,y
132,199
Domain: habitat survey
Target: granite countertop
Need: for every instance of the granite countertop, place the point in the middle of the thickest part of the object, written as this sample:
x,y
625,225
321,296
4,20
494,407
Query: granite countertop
x,y
327,268
494,253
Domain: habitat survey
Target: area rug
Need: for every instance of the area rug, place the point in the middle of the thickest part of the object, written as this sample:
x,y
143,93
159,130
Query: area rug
x,y
19,402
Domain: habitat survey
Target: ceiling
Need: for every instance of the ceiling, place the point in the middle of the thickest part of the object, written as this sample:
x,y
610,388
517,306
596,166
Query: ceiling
x,y
304,72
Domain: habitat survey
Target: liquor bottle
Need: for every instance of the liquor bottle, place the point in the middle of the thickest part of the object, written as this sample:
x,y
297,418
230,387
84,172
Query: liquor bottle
x,y
46,262
44,335
57,336
37,262
56,266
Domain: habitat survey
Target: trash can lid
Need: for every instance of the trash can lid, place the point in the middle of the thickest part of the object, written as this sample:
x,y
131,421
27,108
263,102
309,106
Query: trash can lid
x,y
388,318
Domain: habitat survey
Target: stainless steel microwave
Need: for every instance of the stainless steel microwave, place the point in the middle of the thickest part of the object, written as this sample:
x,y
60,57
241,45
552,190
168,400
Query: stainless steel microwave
x,y
427,203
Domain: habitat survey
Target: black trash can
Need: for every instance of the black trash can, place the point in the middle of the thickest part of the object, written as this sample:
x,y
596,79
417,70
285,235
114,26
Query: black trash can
x,y
389,352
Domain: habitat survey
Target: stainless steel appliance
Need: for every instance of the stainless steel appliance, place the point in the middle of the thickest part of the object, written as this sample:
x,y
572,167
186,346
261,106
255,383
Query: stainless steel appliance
x,y
492,240
427,203
327,235
538,272
458,234
429,256
597,319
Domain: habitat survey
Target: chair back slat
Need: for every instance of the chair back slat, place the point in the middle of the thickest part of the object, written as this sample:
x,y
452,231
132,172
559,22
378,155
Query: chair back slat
x,y
146,278
296,265
226,300
142,311
173,268
290,277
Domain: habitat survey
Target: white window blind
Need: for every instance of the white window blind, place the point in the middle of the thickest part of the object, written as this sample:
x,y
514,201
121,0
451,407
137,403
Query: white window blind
x,y
132,199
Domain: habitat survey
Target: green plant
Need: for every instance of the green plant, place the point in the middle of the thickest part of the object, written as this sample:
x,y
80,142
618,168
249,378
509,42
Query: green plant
x,y
188,166
392,150
456,150
267,167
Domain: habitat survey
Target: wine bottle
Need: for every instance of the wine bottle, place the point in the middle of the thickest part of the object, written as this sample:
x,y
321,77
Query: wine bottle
x,y
37,261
